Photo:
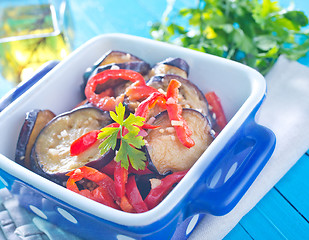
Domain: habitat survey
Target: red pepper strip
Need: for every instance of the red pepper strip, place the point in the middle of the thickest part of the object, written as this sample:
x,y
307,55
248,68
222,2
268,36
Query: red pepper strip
x,y
216,107
156,194
137,91
72,186
140,171
86,193
134,196
107,93
174,112
84,142
120,179
113,125
101,195
126,206
143,108
108,103
106,185
149,126
109,168
92,175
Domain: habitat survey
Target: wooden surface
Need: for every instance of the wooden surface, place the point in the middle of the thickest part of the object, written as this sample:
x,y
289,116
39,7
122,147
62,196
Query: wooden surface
x,y
283,213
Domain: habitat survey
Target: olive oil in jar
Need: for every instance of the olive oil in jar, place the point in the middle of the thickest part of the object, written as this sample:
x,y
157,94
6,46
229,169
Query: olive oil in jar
x,y
29,37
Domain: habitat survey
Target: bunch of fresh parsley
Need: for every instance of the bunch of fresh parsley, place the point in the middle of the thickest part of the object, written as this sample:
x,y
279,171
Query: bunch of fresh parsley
x,y
252,32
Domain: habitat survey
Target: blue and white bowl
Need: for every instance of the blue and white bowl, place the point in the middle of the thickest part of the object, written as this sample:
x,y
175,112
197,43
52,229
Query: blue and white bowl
x,y
214,185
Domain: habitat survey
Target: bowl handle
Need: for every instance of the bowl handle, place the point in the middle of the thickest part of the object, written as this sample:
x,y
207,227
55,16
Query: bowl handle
x,y
233,171
15,93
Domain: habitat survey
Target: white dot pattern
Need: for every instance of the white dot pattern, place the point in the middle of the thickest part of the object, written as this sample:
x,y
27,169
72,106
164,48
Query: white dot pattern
x,y
231,172
38,212
123,237
192,224
67,215
4,182
215,178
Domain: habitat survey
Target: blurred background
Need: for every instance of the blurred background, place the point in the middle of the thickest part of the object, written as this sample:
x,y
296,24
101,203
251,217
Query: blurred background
x,y
33,32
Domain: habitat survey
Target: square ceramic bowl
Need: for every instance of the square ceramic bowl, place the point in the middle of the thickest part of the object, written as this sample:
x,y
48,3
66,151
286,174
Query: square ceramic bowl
x,y
214,185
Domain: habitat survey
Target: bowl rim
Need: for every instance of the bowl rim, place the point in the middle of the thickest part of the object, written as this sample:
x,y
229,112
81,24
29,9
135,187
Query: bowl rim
x,y
180,191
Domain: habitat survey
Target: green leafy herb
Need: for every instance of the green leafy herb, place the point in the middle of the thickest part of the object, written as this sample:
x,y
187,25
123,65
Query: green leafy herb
x,y
252,32
130,143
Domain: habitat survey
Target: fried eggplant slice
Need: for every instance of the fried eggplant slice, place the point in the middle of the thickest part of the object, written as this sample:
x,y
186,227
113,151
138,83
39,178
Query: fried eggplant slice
x,y
111,57
166,153
175,66
190,96
35,121
50,155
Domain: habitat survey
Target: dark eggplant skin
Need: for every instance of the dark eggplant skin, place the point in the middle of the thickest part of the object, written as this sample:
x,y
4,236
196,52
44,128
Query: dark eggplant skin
x,y
166,153
177,62
119,85
111,57
190,96
34,122
114,60
175,66
50,155
143,183
138,66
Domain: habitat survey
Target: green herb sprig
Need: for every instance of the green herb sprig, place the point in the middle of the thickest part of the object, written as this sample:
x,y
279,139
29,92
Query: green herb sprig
x,y
252,32
130,143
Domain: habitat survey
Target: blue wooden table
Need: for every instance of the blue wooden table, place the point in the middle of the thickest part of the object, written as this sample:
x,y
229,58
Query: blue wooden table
x,y
284,212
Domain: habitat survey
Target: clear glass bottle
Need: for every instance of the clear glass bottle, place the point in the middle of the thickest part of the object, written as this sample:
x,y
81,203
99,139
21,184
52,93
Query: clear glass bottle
x,y
32,33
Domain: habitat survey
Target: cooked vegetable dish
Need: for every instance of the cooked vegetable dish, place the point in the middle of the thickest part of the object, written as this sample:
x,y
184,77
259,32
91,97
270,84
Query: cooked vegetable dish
x,y
134,137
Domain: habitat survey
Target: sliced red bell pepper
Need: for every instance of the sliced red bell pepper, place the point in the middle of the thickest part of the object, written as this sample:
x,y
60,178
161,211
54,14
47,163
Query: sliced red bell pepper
x,y
156,195
140,171
101,195
134,195
90,174
170,102
126,206
109,168
149,126
143,108
174,111
84,142
106,193
120,179
104,100
137,91
216,108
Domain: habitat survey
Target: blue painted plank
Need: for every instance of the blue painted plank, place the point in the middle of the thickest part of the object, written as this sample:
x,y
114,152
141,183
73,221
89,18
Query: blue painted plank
x,y
295,186
275,218
238,232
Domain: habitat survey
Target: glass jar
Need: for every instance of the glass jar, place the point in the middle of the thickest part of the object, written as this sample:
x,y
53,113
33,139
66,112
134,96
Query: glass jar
x,y
32,32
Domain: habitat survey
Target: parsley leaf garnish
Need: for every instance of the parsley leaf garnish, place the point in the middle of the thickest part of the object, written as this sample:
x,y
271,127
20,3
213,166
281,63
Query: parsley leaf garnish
x,y
130,143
